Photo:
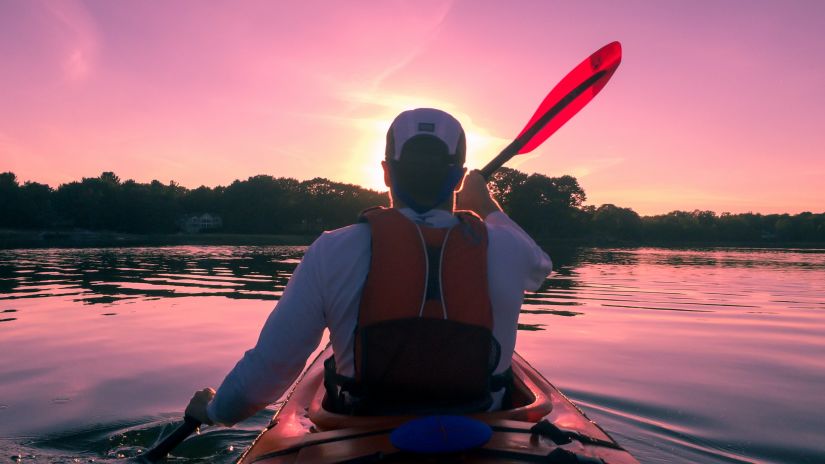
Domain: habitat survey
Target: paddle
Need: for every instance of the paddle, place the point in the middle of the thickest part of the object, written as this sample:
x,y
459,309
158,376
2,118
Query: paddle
x,y
569,96
169,443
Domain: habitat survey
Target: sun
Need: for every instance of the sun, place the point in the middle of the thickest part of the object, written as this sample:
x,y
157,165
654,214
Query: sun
x,y
364,165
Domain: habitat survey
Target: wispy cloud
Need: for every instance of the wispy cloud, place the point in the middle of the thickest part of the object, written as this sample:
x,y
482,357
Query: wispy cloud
x,y
77,30
424,32
431,28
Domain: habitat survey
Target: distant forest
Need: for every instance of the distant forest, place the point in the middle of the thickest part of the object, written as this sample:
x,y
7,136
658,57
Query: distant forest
x,y
547,207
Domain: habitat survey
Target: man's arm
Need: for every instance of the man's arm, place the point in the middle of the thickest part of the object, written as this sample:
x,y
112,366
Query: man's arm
x,y
476,197
292,331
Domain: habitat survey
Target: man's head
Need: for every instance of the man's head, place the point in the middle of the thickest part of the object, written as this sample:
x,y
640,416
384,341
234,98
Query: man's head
x,y
424,160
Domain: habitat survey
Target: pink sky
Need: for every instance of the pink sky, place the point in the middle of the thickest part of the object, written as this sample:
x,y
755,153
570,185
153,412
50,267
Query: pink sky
x,y
717,105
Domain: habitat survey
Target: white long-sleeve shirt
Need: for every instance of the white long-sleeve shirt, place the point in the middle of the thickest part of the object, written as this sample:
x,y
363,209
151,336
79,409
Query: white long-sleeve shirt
x,y
325,292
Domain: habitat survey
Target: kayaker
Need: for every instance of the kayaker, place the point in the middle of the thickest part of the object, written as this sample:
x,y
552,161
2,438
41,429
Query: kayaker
x,y
421,302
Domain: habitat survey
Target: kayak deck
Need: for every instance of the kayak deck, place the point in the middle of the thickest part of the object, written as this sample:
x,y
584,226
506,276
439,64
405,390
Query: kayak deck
x,y
302,431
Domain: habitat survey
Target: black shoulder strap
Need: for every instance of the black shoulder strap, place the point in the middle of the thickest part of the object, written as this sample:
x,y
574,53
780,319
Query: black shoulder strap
x,y
362,216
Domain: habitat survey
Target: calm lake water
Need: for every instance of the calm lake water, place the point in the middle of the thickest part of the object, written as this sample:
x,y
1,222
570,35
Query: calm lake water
x,y
713,355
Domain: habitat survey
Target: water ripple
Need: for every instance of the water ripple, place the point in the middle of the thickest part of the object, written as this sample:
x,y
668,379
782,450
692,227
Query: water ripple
x,y
684,355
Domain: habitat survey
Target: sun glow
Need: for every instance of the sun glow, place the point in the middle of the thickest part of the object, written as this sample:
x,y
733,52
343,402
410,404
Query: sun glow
x,y
368,151
481,145
364,165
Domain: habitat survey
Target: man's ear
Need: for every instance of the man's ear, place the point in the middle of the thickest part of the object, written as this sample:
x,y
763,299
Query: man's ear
x,y
461,182
387,177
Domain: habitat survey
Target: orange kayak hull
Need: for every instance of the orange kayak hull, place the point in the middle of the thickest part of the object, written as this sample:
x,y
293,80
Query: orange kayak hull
x,y
302,431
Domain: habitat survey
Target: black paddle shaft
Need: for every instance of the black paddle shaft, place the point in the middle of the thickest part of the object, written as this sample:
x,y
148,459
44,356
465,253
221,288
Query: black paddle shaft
x,y
169,443
517,144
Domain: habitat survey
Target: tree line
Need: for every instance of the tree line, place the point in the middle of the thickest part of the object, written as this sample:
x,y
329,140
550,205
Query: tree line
x,y
258,205
553,207
546,207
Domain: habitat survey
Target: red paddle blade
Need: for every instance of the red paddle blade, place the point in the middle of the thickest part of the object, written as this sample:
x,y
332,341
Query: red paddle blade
x,y
570,95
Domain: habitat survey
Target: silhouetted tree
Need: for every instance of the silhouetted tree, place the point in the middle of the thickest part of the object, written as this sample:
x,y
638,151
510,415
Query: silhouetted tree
x,y
546,207
612,221
502,184
9,200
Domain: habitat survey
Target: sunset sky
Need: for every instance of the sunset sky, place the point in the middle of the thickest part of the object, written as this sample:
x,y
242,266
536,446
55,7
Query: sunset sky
x,y
717,105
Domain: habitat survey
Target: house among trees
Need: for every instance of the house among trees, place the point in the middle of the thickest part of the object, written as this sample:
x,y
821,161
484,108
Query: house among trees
x,y
195,223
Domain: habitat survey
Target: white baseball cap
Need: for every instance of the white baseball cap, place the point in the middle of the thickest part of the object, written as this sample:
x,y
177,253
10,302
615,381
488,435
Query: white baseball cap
x,y
426,123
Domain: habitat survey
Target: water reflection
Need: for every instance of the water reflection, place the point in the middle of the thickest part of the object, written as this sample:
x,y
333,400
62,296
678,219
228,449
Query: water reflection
x,y
686,355
106,276
691,280
797,258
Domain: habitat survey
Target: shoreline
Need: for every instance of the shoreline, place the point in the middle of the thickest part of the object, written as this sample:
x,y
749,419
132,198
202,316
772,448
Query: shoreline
x,y
21,239
602,243
11,239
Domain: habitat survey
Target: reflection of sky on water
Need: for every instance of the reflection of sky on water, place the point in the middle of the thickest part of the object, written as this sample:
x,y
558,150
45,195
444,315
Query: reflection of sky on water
x,y
683,355
103,276
705,280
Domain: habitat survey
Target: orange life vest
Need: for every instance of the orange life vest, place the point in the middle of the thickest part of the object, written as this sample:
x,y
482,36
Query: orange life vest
x,y
424,339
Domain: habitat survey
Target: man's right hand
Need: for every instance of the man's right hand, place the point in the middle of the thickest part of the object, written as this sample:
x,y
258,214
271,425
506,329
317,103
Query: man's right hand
x,y
197,405
475,196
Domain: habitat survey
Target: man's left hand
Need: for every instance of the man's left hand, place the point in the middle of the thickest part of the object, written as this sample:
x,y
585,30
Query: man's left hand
x,y
197,405
475,196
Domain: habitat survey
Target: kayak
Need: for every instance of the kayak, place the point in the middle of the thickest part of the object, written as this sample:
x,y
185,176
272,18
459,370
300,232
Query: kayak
x,y
542,426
